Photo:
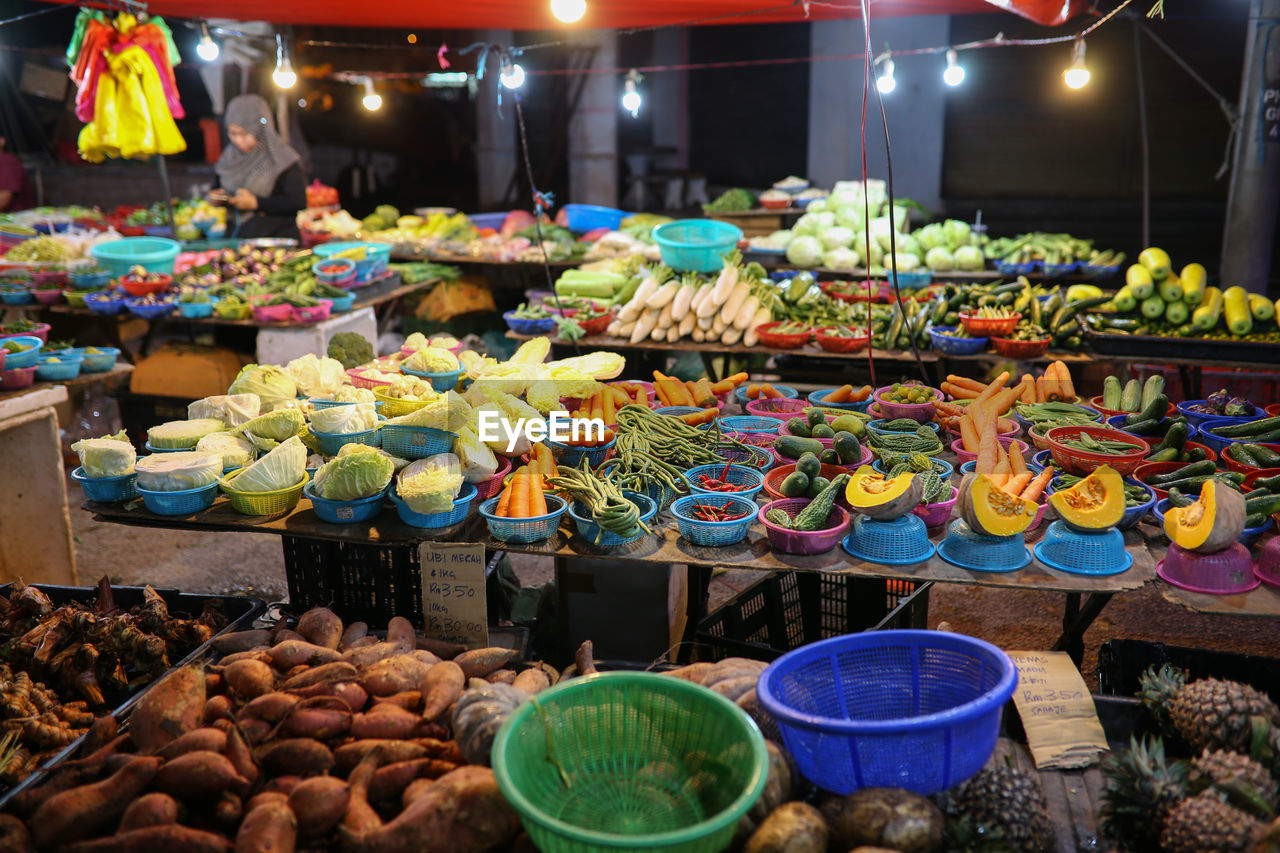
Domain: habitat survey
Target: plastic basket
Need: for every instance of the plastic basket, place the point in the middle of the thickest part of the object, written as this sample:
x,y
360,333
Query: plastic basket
x,y
486,489
1134,514
936,514
755,457
948,345
922,412
312,313
840,343
909,280
66,367
1083,462
434,520
819,398
27,357
273,313
154,254
183,502
614,735
1230,462
589,217
1198,419
571,455
40,332
777,409
107,490
696,245
1218,443
790,541
1005,268
944,468
48,297
714,534
989,326
776,340
749,480
1096,553
969,550
1226,572
589,530
374,263
90,281
364,382
330,443
904,709
962,455
17,296
274,502
195,310
1009,348
344,512
750,423
526,326
415,442
900,542
15,379
439,381
338,304
787,392
774,478
148,310
335,272
524,530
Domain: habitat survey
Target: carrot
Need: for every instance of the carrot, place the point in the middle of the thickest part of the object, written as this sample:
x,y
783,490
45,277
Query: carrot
x,y
607,407
1027,389
965,382
988,448
969,437
1064,376
1018,482
1037,486
861,394
841,394
994,387
949,408
538,499
1002,401
770,392
705,416
548,463
724,386
1002,464
702,393
642,397
959,392
521,498
753,392
1017,464
619,397
504,501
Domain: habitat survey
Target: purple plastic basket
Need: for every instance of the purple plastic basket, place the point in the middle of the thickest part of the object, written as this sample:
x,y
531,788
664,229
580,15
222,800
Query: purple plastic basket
x,y
1268,566
803,541
937,514
1224,572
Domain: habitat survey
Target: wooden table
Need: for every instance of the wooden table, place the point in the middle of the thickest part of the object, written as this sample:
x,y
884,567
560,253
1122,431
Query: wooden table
x,y
106,377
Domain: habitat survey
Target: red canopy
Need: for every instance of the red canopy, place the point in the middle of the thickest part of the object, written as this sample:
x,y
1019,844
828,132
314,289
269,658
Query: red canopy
x,y
601,14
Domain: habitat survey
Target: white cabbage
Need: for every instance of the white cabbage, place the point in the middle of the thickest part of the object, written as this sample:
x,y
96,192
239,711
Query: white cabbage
x,y
176,472
231,409
345,419
317,377
282,467
183,435
236,451
109,456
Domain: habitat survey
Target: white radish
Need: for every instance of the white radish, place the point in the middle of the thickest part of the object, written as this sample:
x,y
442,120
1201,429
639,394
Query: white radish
x,y
717,327
664,295
626,330
700,296
730,336
688,324
698,335
680,305
729,312
750,337
645,325
725,283
704,323
673,334
664,322
646,289
612,331
746,312
630,312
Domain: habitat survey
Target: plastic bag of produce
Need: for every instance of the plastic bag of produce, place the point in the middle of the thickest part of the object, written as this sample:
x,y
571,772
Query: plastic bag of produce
x,y
345,419
174,472
109,456
316,377
236,452
283,467
361,473
231,409
274,385
430,485
183,435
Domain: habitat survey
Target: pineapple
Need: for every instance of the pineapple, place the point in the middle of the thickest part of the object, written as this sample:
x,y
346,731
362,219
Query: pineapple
x,y
1206,824
1208,713
1008,801
1141,787
1245,783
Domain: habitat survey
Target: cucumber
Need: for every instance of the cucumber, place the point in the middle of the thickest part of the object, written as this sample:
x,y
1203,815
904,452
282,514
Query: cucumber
x,y
816,486
1111,393
1249,428
1138,279
1131,399
1265,503
1152,410
1196,469
1167,454
1174,438
1261,308
1195,454
1145,427
1170,289
1152,388
1177,498
1235,310
1267,458
1241,453
798,426
1177,312
1124,300
1271,484
794,485
1153,307
1256,519
793,446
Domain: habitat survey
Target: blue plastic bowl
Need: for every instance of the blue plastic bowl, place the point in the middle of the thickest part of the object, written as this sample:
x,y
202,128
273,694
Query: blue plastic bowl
x,y
344,273
1196,418
97,362
524,530
572,455
374,264
461,505
589,530
195,310
784,275
330,442
104,302
416,442
750,423
107,490
523,326
944,468
929,722
1209,439
28,356
947,345
1093,271
344,512
1033,464
1118,422
1015,269
17,296
819,398
90,280
154,254
1059,269
740,393
910,280
66,367
184,502
487,220
439,381
698,245
341,303
751,480
589,217
147,310
714,534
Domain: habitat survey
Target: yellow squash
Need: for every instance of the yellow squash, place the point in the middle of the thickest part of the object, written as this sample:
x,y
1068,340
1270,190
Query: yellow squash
x,y
990,510
1209,524
875,496
1094,503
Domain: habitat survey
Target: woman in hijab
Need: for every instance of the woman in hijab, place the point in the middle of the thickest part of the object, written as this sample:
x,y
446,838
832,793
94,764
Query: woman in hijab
x,y
259,175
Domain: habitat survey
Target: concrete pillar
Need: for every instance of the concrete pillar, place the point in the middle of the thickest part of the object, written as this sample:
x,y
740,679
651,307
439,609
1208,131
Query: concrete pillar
x,y
1254,196
667,94
496,155
593,129
915,108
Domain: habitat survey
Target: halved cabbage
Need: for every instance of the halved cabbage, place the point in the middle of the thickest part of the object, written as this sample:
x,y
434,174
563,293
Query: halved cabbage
x,y
430,485
236,451
361,473
345,419
231,409
109,456
183,435
266,431
175,472
284,466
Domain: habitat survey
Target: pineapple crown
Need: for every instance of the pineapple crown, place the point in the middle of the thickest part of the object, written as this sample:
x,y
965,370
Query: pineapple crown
x,y
1156,689
1140,786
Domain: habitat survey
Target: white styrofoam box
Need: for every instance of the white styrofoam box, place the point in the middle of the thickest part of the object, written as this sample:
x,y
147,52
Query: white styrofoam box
x,y
279,346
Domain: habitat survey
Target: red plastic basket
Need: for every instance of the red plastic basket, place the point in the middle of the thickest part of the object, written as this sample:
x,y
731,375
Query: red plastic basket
x,y
1096,403
1229,462
596,325
778,341
490,487
1255,475
782,408
1149,469
988,327
17,378
311,239
773,479
1273,410
40,331
1213,456
1083,462
1021,349
134,287
838,343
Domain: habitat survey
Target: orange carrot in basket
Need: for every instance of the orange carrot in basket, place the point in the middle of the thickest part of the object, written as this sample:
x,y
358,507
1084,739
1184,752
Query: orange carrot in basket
x,y
1036,487
724,386
959,392
520,497
607,408
753,392
619,397
642,397
705,416
702,394
840,395
538,501
504,501
597,407
1017,483
948,409
994,387
770,392
1017,464
861,394
969,434
660,388
965,382
1003,401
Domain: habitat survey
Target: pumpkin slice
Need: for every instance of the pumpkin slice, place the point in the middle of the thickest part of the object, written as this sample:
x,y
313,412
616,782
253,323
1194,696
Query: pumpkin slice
x,y
990,510
1094,503
881,498
1209,524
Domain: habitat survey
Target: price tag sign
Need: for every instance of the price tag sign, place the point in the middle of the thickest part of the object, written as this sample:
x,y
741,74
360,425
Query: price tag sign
x,y
453,592
1057,711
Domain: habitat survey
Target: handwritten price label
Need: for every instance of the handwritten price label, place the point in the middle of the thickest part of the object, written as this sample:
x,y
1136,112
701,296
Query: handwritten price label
x,y
1057,710
453,592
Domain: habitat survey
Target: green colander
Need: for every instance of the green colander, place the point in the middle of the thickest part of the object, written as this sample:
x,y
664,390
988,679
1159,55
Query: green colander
x,y
260,503
630,761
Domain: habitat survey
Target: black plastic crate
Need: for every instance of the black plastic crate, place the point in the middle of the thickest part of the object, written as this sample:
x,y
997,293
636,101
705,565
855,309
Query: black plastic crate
x,y
361,583
1121,664
787,610
140,412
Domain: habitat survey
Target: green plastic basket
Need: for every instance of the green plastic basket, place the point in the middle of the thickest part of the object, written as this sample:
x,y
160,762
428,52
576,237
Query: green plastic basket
x,y
630,761
261,503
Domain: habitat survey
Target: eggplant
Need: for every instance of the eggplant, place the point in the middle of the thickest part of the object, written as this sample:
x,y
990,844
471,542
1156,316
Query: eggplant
x,y
1217,401
1238,407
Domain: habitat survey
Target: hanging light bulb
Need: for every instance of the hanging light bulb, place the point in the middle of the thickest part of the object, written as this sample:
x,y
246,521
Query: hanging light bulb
x,y
512,75
206,48
283,75
631,99
569,11
372,100
1077,74
954,73
885,82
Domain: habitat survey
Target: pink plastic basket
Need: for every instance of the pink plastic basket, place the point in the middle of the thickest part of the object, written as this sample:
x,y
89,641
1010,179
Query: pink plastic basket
x,y
41,331
781,408
17,378
963,456
922,412
272,313
493,485
313,314
363,382
1224,572
803,541
937,514
1268,565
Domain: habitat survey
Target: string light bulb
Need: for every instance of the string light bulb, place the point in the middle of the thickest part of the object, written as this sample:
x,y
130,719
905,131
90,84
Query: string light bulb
x,y
283,75
207,49
1077,74
954,73
885,82
631,99
372,100
512,75
569,11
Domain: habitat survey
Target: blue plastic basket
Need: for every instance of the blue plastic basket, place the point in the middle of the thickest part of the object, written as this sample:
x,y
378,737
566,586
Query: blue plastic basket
x,y
154,254
524,530
415,442
28,357
677,411
1095,271
819,397
97,362
1043,459
969,550
755,457
1197,419
344,512
909,280
330,442
184,502
714,534
589,530
942,466
153,449
375,262
1015,269
522,326
461,505
90,280
335,271
195,310
948,345
488,220
107,490
17,296
341,303
66,367
1133,514
897,709
697,245
104,303
567,454
439,381
900,542
1078,553
1059,269
750,423
750,479
589,217
148,310
787,392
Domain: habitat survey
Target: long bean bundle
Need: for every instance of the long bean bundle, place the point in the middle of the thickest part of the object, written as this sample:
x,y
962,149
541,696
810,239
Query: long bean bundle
x,y
605,501
649,437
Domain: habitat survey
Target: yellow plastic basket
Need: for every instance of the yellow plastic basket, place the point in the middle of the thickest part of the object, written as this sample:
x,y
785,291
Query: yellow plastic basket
x,y
261,503
394,407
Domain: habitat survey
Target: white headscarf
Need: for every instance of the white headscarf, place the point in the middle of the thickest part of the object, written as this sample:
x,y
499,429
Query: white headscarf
x,y
258,169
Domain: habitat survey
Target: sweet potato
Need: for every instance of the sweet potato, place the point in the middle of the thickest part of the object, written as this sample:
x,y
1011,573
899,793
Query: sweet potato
x,y
440,648
349,755
286,635
154,809
297,756
415,791
321,626
169,838
213,682
734,688
170,709
270,828
395,675
323,674
462,812
200,774
410,700
293,653
694,672
501,676
351,694
262,654
241,641
216,708
360,816
791,828
271,707
389,722
255,731
478,663
14,836
584,658
319,723
229,810
272,796
441,688
391,781
209,739
249,679
223,725
241,758
361,643
532,680
400,632
362,656
354,631
425,656
103,731
282,785
319,804
90,809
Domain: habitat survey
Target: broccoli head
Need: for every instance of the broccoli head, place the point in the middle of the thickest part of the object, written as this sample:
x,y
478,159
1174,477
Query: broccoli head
x,y
351,349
